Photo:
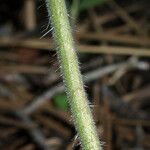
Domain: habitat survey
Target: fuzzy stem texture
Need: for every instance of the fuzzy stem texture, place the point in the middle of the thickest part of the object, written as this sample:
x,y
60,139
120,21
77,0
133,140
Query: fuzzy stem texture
x,y
71,74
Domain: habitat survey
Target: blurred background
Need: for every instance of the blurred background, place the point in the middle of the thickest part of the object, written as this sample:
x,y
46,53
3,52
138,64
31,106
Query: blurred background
x,y
113,42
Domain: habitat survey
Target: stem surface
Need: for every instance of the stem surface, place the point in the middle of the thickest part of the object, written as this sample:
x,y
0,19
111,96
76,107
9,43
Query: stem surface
x,y
71,74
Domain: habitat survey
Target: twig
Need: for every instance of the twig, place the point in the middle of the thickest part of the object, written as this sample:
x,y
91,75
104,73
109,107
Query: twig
x,y
7,69
136,95
44,97
35,133
124,15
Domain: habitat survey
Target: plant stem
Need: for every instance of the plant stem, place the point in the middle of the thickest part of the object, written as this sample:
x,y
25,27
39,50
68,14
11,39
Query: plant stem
x,y
71,74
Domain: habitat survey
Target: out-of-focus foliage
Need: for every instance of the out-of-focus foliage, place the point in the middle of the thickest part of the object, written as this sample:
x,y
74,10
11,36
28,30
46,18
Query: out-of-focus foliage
x,y
86,4
79,5
60,101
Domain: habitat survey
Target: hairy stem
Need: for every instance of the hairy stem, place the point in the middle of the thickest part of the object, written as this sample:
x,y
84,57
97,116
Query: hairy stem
x,y
71,74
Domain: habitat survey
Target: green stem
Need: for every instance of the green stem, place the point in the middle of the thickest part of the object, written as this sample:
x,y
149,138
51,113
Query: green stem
x,y
72,78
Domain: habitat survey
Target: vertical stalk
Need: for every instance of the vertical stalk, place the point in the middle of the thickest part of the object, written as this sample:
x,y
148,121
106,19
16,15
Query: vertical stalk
x,y
71,74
